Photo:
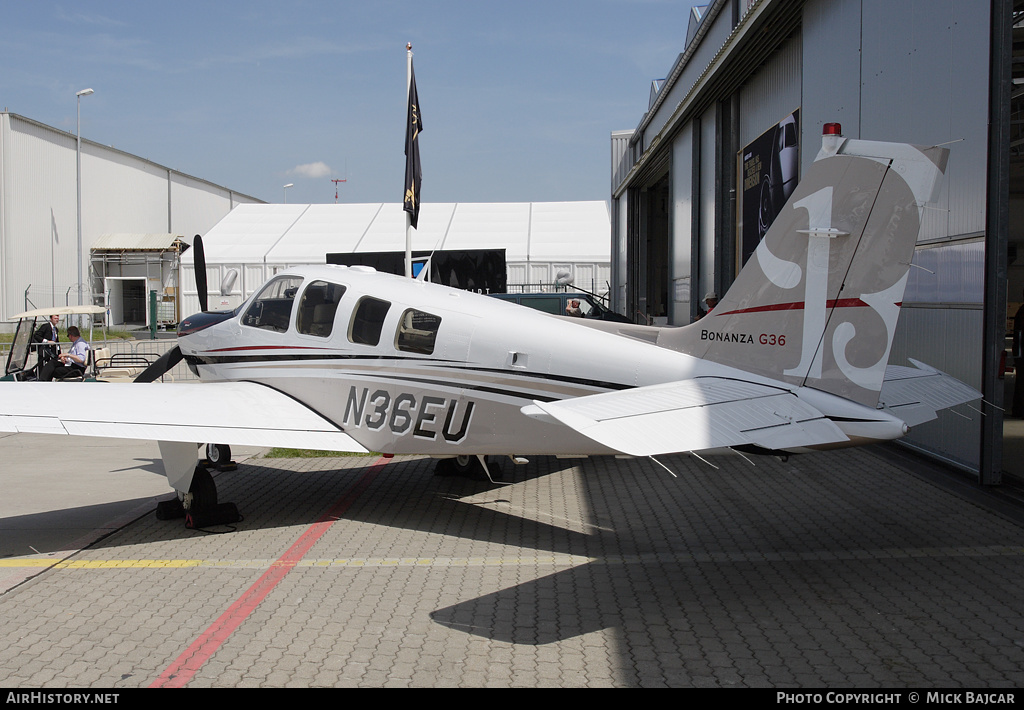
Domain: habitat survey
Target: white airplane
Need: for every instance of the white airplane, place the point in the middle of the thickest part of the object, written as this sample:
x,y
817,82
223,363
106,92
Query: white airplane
x,y
792,360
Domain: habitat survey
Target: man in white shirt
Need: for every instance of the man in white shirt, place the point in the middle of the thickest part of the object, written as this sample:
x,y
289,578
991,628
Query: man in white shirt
x,y
73,362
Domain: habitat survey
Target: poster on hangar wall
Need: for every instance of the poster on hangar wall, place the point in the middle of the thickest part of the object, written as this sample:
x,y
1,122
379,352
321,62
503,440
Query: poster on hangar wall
x,y
768,172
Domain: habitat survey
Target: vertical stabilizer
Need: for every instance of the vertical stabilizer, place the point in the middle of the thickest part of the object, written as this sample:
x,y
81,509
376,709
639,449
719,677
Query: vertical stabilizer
x,y
818,301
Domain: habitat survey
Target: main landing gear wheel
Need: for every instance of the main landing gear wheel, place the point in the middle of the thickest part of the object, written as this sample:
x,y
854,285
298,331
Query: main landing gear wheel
x,y
201,506
202,494
201,497
218,454
463,466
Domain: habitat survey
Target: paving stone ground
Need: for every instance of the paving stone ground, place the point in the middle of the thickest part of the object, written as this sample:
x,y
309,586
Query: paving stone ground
x,y
840,569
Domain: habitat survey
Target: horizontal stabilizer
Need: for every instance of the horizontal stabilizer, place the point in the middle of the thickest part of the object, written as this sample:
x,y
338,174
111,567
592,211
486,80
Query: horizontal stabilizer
x,y
693,415
916,394
239,413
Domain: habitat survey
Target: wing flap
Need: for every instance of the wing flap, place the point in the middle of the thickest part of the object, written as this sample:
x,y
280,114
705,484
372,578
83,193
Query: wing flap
x,y
916,394
693,415
240,413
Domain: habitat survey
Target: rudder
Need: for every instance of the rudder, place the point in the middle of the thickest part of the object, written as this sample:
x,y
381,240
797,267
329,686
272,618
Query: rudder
x,y
817,303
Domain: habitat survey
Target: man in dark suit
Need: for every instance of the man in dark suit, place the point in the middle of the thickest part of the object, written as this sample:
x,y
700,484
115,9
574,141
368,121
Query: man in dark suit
x,y
47,333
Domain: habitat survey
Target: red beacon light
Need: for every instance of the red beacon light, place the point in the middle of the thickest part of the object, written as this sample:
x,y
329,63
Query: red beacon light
x,y
832,129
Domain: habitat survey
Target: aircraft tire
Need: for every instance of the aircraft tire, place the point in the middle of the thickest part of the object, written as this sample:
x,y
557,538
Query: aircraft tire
x,y
218,454
203,491
462,466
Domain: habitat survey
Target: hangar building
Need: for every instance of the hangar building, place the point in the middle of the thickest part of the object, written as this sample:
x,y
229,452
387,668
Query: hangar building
x,y
133,208
757,80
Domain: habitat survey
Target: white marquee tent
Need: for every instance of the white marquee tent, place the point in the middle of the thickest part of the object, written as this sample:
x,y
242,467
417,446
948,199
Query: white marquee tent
x,y
539,238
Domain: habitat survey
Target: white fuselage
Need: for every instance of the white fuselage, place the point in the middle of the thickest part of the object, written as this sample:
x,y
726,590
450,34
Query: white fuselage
x,y
489,359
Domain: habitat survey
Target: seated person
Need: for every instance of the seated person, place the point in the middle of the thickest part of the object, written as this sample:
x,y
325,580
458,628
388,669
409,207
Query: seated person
x,y
573,308
73,362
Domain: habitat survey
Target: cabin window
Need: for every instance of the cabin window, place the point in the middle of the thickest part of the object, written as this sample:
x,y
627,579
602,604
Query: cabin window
x,y
317,307
272,309
417,332
368,321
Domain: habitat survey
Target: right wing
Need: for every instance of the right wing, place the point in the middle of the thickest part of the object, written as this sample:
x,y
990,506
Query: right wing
x,y
693,415
241,413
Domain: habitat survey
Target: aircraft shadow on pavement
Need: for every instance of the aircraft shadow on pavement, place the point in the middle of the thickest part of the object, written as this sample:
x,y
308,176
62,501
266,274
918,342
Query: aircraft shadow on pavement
x,y
655,548
726,544
406,494
59,530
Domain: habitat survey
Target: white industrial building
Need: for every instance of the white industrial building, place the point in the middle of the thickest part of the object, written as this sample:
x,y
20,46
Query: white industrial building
x,y
129,204
758,79
138,218
540,239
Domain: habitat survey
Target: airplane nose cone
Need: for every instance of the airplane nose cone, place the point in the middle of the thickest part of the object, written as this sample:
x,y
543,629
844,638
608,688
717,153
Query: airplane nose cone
x,y
201,321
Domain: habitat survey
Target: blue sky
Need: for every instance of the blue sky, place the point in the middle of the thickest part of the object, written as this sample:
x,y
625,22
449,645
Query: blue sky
x,y
518,98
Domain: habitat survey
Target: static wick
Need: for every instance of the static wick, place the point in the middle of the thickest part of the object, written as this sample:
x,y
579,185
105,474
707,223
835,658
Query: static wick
x,y
663,466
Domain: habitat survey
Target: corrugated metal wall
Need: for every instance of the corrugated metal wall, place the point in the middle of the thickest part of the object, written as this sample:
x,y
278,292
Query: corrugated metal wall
x,y
948,339
197,205
620,156
772,93
119,190
706,199
682,225
120,193
934,57
40,216
831,72
925,80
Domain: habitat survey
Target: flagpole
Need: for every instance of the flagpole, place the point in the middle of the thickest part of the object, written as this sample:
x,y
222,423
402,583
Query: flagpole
x,y
408,217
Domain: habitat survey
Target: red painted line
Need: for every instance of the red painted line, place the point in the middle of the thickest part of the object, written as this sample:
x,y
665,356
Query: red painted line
x,y
188,663
798,306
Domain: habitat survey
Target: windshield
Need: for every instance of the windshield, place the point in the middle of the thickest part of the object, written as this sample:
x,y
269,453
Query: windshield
x,y
18,356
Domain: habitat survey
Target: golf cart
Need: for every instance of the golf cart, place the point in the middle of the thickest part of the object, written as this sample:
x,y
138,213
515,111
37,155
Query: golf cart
x,y
24,358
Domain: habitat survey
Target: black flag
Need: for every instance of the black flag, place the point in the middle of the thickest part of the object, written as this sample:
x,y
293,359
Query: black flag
x,y
413,174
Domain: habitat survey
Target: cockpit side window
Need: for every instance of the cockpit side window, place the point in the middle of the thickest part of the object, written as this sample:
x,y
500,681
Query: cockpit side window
x,y
417,332
317,307
272,308
368,320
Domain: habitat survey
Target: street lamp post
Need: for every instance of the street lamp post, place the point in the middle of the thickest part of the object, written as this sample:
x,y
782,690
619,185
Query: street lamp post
x,y
78,132
291,184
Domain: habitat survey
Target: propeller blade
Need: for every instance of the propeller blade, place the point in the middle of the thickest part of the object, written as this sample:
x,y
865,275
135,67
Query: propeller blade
x,y
163,364
200,266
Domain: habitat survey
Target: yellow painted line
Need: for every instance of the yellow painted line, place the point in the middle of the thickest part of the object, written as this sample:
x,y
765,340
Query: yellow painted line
x,y
26,563
561,560
555,560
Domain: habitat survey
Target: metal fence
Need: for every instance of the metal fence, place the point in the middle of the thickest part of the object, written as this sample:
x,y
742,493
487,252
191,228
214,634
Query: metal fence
x,y
151,349
593,287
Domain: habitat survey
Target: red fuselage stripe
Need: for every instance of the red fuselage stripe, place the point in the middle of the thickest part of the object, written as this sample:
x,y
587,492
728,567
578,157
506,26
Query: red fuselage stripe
x,y
265,347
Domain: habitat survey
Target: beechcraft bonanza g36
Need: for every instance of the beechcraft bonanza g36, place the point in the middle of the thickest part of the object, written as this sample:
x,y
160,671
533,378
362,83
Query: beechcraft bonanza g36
x,y
793,359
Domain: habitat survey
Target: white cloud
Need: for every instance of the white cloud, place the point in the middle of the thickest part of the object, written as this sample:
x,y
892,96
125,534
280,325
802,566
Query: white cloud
x,y
318,169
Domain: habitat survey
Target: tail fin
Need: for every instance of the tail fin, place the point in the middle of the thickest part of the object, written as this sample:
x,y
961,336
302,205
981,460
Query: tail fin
x,y
817,303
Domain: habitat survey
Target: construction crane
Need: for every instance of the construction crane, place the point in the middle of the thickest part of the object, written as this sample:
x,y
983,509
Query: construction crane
x,y
336,189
